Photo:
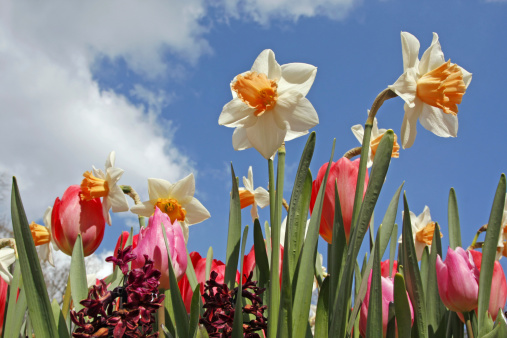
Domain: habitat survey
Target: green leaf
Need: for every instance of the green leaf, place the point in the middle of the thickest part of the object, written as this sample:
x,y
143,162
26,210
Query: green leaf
x,y
402,307
424,268
378,174
299,205
13,322
166,331
412,274
57,314
78,284
285,317
261,261
500,329
234,235
453,220
178,307
194,312
436,311
304,280
18,314
209,262
455,327
391,322
322,315
237,325
374,321
489,254
202,333
39,307
392,249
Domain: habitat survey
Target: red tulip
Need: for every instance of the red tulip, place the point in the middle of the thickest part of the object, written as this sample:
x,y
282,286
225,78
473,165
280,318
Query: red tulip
x,y
123,240
249,263
345,172
498,295
384,268
151,242
458,280
4,287
199,264
387,297
72,216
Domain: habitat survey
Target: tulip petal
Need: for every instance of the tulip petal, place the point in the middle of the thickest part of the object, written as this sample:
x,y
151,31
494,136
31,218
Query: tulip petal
x,y
297,77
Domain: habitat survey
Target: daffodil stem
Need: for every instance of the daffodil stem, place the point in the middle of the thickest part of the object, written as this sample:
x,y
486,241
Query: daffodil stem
x,y
352,152
386,94
480,231
470,331
128,190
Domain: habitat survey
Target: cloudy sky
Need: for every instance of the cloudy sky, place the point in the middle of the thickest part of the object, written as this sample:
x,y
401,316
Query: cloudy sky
x,y
149,80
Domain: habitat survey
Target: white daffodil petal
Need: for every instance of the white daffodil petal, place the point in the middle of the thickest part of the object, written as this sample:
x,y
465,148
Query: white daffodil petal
x,y
291,134
266,63
158,188
253,212
467,76
184,189
98,173
301,117
261,196
248,181
438,122
424,218
297,77
110,160
406,87
105,210
117,200
7,257
145,209
240,139
409,126
45,254
265,136
113,175
410,50
419,249
433,57
196,212
235,114
358,132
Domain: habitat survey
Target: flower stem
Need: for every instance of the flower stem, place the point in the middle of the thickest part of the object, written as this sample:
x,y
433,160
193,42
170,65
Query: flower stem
x,y
128,190
352,152
470,331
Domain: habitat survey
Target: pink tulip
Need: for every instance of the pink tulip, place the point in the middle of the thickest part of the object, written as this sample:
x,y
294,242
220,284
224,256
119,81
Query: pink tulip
x,y
199,264
151,242
387,297
345,172
498,294
72,216
4,287
458,280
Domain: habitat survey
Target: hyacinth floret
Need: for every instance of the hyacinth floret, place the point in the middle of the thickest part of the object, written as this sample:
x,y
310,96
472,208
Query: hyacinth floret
x,y
127,310
219,305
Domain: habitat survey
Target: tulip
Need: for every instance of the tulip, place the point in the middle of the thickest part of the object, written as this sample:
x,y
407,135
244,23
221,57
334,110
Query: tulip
x,y
458,280
151,242
123,240
72,216
249,263
384,268
4,287
498,294
199,264
344,172
387,297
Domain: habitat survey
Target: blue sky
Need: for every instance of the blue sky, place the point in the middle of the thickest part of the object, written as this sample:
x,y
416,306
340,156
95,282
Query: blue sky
x,y
149,81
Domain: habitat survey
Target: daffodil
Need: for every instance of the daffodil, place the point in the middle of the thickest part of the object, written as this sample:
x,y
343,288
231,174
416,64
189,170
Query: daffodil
x,y
431,88
249,196
7,257
376,136
43,239
103,184
269,104
176,200
422,230
502,239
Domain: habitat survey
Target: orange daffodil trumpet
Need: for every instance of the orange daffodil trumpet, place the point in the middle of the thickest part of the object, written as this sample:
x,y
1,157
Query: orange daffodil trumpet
x,y
176,200
269,104
376,136
103,184
431,88
422,230
43,238
249,196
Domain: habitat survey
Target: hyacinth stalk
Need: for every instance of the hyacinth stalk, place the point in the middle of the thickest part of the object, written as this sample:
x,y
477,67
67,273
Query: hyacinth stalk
x,y
274,299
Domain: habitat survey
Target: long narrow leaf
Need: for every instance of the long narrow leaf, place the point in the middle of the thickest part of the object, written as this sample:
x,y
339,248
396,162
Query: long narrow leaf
x,y
489,254
402,307
261,261
453,221
194,312
237,325
303,288
374,321
78,284
437,313
39,307
13,303
322,315
234,235
57,314
179,310
412,275
285,317
378,174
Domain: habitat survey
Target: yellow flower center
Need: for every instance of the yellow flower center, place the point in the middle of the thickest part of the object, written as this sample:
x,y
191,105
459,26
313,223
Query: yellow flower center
x,y
40,234
172,208
246,198
374,145
443,87
93,187
425,235
257,91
